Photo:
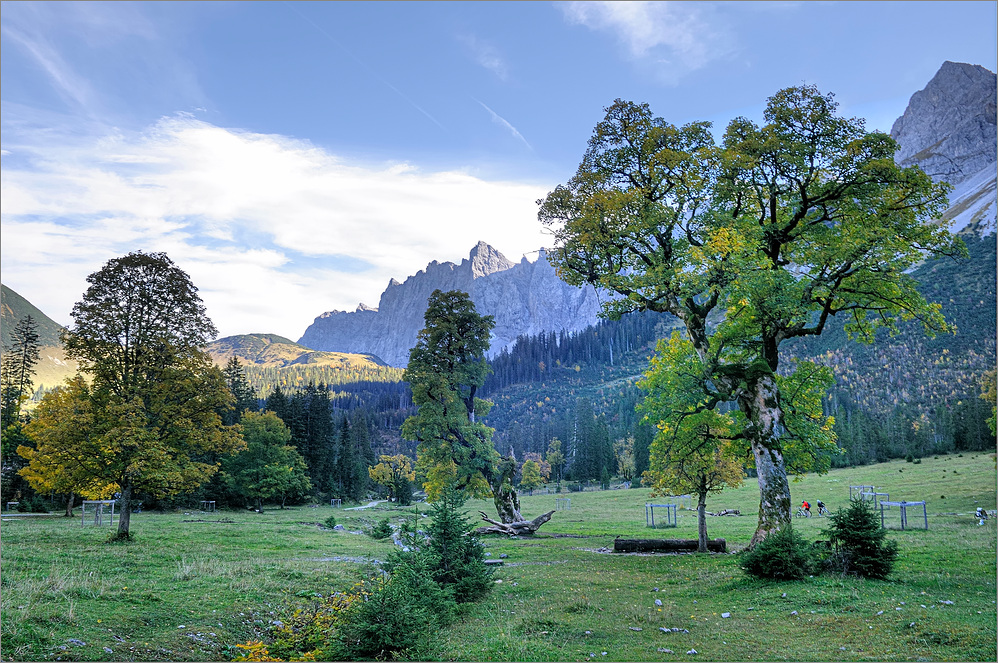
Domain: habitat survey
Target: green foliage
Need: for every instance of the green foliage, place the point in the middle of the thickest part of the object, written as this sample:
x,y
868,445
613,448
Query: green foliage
x,y
269,468
446,368
150,411
530,475
456,556
783,555
17,366
397,618
32,504
396,475
768,235
243,394
556,459
330,522
861,545
382,530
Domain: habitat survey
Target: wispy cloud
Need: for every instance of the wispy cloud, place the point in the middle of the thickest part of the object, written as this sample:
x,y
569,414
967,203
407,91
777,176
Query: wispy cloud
x,y
486,55
273,230
366,67
70,84
502,122
679,37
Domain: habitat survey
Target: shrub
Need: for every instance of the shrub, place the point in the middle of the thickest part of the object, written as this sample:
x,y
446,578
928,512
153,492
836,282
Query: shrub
x,y
783,555
32,504
382,530
330,522
397,617
860,542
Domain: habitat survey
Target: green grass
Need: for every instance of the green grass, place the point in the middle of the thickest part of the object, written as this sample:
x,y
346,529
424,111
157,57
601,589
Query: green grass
x,y
563,596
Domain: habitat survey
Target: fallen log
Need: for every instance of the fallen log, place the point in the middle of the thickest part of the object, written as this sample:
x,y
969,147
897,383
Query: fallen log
x,y
667,545
519,528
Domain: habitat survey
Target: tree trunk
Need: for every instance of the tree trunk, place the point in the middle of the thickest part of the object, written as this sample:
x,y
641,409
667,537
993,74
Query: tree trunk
x,y
69,504
259,504
761,404
518,528
668,545
702,522
125,515
504,494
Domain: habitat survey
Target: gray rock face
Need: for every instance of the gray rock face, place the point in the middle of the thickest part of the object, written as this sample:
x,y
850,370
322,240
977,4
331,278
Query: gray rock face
x,y
524,298
948,128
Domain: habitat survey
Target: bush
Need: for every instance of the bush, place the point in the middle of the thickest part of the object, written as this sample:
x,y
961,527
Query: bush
x,y
330,522
860,542
397,617
32,504
783,555
382,530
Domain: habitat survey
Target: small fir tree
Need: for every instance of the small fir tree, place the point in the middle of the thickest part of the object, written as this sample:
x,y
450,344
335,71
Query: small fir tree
x,y
861,545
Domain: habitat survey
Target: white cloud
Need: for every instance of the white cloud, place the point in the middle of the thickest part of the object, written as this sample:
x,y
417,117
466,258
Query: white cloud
x,y
677,37
274,231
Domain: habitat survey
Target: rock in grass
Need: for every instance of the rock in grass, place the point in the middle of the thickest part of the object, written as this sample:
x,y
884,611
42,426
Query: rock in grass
x,y
658,601
636,628
663,650
725,615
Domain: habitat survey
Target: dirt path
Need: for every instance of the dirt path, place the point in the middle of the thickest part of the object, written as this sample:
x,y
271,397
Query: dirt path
x,y
366,506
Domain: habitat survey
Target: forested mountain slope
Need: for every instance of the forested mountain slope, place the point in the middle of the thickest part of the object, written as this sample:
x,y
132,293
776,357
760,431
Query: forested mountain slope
x,y
53,367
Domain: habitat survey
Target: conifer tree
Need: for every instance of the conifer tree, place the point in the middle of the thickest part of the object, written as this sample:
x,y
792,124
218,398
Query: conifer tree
x,y
16,370
446,368
242,392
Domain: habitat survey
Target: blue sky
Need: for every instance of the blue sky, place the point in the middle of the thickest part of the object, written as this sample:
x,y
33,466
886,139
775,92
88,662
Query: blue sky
x,y
293,157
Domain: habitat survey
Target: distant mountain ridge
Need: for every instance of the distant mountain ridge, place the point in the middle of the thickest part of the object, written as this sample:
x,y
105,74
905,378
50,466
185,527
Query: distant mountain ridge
x,y
525,298
274,351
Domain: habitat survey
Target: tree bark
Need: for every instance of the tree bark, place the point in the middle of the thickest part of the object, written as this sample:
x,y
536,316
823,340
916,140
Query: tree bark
x,y
702,522
69,504
761,404
668,545
519,528
125,515
504,494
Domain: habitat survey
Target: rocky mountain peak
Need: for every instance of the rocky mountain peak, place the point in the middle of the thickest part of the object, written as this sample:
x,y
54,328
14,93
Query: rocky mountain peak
x,y
948,128
485,260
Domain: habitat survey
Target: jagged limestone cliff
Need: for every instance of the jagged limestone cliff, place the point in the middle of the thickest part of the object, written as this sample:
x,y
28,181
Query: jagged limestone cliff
x,y
525,298
949,131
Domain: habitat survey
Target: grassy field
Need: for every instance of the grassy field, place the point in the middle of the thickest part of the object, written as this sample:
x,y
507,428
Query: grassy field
x,y
191,585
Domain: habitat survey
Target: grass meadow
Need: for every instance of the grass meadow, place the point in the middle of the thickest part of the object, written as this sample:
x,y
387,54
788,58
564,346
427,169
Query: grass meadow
x,y
191,585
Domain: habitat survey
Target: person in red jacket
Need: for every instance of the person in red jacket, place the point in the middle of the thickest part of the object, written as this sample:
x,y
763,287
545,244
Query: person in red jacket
x,y
806,507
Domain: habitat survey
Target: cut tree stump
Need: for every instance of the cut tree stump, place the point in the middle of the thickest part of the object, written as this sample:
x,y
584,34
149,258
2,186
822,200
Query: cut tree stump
x,y
520,528
667,545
